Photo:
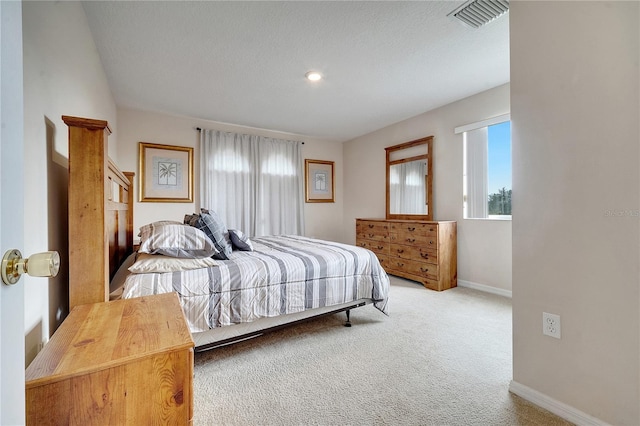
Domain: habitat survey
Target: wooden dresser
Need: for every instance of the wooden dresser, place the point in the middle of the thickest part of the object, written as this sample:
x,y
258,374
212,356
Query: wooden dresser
x,y
424,251
115,363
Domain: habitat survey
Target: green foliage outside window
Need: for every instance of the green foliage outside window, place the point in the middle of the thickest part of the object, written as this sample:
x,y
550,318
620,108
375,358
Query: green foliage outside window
x,y
500,202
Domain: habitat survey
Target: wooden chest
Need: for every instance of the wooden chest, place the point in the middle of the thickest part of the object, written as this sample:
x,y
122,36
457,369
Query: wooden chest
x,y
115,363
424,251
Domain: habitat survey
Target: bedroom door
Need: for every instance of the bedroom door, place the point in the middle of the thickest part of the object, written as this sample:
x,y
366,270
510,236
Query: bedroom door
x,y
12,391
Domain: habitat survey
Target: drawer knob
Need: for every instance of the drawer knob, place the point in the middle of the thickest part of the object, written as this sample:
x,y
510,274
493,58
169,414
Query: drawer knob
x,y
411,229
400,251
430,242
412,240
370,226
424,255
371,235
424,270
380,247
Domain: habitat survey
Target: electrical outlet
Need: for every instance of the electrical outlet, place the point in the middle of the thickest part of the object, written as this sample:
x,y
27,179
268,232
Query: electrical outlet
x,y
551,325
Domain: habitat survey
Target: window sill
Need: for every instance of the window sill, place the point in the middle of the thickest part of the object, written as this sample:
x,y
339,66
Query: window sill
x,y
496,218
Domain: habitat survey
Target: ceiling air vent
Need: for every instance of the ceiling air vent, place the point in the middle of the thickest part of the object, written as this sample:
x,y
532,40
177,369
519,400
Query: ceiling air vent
x,y
476,13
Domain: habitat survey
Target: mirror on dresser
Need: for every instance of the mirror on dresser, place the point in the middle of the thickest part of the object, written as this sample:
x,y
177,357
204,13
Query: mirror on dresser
x,y
410,180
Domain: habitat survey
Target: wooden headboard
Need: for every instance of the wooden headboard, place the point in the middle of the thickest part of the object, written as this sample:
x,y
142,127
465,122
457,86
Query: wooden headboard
x,y
100,212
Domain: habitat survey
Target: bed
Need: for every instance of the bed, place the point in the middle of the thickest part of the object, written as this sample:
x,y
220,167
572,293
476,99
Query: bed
x,y
282,280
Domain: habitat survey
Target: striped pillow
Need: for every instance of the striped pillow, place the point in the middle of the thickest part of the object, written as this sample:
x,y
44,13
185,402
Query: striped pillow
x,y
175,239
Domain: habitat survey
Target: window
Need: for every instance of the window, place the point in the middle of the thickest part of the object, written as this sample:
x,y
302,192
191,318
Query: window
x,y
487,169
255,184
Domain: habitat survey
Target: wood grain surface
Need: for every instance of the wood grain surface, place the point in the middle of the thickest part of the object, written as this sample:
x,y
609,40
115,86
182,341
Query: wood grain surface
x,y
122,362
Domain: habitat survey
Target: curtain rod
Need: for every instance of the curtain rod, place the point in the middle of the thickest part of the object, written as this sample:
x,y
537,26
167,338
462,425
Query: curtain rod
x,y
200,129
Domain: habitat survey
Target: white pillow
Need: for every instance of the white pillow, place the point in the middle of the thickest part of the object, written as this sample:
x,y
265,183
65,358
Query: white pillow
x,y
157,263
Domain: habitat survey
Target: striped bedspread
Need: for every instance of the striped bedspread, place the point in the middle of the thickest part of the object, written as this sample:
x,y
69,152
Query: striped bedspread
x,y
284,274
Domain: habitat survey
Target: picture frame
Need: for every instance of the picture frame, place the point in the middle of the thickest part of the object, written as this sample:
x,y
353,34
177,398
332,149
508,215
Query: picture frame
x,y
166,173
319,181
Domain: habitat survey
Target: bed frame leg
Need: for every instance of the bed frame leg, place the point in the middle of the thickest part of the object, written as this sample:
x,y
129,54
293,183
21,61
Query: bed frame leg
x,y
348,323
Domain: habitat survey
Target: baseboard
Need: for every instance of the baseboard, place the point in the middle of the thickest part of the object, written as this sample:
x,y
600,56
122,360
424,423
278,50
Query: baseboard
x,y
485,288
556,407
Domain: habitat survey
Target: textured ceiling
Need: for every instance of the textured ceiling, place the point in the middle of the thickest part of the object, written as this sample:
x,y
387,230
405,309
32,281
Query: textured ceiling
x,y
244,62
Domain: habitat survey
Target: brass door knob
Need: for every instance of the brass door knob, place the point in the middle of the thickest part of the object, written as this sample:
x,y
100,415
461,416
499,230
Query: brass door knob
x,y
45,264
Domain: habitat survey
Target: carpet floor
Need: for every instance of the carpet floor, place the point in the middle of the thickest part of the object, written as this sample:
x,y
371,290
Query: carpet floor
x,y
439,358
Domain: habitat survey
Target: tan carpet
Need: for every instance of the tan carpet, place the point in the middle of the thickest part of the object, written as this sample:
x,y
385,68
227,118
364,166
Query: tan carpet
x,y
438,359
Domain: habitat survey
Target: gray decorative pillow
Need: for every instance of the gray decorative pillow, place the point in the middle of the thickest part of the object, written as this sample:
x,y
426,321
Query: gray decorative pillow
x,y
175,239
240,241
211,224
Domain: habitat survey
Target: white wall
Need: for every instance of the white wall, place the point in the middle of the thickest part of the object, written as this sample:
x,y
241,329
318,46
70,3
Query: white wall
x,y
484,246
63,75
144,126
12,359
576,231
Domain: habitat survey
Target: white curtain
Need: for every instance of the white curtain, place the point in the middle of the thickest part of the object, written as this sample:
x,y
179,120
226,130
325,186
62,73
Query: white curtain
x,y
477,145
255,184
407,188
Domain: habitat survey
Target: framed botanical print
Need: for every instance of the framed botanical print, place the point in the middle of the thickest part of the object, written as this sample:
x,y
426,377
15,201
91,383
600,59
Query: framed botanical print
x,y
319,181
166,173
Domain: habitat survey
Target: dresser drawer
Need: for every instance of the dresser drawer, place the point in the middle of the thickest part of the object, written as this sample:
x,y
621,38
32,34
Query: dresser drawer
x,y
372,235
378,247
421,269
413,253
402,251
425,254
380,228
414,240
423,229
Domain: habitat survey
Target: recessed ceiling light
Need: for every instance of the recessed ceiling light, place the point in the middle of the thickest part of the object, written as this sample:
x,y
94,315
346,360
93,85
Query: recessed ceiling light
x,y
313,76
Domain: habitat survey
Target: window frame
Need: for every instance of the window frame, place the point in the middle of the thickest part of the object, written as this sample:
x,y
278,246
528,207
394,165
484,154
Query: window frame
x,y
475,126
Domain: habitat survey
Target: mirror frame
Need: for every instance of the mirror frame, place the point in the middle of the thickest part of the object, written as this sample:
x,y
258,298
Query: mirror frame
x,y
428,141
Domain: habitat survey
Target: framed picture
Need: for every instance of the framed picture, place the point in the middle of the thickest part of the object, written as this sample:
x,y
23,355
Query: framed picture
x,y
318,181
166,173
